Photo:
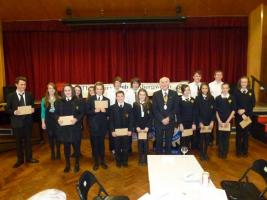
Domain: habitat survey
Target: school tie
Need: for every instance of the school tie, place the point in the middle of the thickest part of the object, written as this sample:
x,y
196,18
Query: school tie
x,y
187,99
21,100
121,106
165,97
98,98
244,92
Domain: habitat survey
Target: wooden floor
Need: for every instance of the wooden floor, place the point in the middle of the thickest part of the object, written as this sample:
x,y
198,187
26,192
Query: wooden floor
x,y
21,183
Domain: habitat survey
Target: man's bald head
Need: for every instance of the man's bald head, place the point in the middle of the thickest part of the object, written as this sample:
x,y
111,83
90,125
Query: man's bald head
x,y
164,83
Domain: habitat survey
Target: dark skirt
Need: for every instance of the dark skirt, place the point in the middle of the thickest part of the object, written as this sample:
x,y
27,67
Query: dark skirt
x,y
69,134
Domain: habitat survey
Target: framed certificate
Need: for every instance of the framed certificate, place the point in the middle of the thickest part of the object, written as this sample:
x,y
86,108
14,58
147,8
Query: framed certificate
x,y
25,110
121,131
227,128
66,120
187,132
142,135
101,104
205,129
245,122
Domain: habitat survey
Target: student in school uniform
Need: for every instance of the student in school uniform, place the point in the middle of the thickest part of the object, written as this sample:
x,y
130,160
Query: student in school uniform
x,y
186,120
49,122
70,134
91,92
143,119
225,111
195,85
111,95
121,117
216,90
245,102
98,126
205,107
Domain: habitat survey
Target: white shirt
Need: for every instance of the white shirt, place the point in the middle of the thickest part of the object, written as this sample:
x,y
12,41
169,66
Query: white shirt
x,y
142,109
194,87
244,90
215,88
23,95
225,96
111,95
184,98
99,98
165,92
130,96
68,98
121,104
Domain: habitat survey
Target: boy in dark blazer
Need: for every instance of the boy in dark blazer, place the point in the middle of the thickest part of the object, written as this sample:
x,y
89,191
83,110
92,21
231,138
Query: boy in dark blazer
x,y
121,116
21,124
164,109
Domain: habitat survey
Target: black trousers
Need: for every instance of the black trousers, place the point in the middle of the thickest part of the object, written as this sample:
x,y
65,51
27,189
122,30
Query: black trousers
x,y
23,142
242,137
121,149
204,143
160,133
53,141
67,150
111,141
188,140
142,149
98,148
223,137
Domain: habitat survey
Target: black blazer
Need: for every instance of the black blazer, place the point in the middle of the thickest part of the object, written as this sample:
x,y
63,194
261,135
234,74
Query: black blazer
x,y
13,104
158,107
142,122
98,122
127,120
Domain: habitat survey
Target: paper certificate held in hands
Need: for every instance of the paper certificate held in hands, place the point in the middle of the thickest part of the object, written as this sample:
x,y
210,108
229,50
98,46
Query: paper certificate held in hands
x,y
187,132
66,120
244,123
25,110
226,128
101,104
142,135
205,129
121,131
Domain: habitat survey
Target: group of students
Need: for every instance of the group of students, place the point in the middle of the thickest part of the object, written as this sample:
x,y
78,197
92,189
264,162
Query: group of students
x,y
198,105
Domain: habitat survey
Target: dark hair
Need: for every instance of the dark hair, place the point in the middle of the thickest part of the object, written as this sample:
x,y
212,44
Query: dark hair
x,y
200,90
78,86
99,84
135,80
183,87
20,78
147,103
198,72
239,82
90,87
119,92
218,71
47,103
72,90
117,78
226,84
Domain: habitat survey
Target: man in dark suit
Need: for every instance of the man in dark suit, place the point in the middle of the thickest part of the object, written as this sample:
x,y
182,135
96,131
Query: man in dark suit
x,y
21,124
164,109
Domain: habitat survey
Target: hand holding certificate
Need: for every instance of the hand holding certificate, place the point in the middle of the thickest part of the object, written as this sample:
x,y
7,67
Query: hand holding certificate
x,y
24,110
66,120
225,127
121,132
205,129
142,135
245,122
187,132
101,105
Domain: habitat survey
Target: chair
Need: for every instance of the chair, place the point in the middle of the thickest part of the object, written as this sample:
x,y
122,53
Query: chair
x,y
86,181
246,190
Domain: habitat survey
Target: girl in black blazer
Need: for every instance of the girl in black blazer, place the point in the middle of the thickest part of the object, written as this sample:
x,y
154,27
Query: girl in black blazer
x,y
98,126
142,119
70,134
205,107
245,101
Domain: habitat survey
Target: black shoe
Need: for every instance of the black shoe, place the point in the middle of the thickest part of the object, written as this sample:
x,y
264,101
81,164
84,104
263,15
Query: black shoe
x,y
17,164
245,155
58,156
73,155
95,167
32,161
118,165
67,169
104,165
125,165
53,157
76,168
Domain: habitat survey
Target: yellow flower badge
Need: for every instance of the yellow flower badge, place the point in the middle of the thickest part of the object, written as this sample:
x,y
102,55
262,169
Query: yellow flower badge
x,y
211,107
192,101
126,115
77,107
230,100
250,94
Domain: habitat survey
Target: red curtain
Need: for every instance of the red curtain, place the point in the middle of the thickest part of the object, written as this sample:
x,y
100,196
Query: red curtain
x,y
49,51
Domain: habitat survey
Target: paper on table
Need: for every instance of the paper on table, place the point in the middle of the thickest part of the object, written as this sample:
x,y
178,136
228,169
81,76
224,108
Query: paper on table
x,y
244,123
205,129
25,110
142,135
101,104
121,131
187,132
66,120
226,128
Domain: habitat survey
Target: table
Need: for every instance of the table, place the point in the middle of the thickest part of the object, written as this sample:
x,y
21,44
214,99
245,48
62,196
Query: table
x,y
49,194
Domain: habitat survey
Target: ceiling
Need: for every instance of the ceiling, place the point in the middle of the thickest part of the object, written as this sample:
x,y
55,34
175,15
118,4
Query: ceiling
x,y
11,10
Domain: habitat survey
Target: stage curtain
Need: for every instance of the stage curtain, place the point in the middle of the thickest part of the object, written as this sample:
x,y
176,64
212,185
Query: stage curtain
x,y
50,51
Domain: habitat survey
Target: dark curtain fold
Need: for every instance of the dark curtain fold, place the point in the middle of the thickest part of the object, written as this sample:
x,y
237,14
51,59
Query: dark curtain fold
x,y
49,51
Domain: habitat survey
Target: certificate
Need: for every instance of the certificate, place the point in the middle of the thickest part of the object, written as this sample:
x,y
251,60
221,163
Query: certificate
x,y
66,120
121,131
101,104
227,127
205,129
142,135
25,110
187,132
245,122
